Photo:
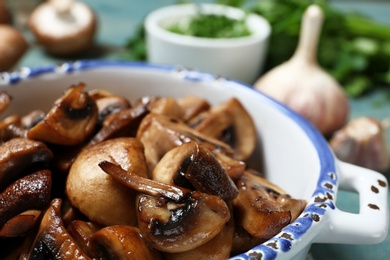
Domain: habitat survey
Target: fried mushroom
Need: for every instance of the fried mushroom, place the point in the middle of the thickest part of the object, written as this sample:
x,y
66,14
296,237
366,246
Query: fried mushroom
x,y
192,165
170,218
231,123
70,121
94,193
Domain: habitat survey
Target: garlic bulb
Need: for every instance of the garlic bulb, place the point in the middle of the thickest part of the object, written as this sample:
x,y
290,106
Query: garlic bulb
x,y
362,142
301,84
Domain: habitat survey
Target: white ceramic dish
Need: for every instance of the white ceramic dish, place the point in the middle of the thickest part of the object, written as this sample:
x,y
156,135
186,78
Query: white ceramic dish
x,y
296,157
235,58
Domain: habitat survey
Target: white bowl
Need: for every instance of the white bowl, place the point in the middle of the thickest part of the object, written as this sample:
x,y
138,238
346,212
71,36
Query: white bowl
x,y
295,155
235,58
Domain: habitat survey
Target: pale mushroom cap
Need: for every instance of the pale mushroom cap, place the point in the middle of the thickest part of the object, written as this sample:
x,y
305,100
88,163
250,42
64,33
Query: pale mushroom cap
x,y
96,194
52,23
64,34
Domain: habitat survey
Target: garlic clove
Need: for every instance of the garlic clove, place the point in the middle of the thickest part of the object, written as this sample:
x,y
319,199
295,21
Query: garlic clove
x,y
63,27
362,142
301,84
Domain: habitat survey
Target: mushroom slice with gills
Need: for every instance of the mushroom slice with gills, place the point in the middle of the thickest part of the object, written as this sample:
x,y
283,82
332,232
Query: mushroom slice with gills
x,y
193,166
19,156
231,123
122,242
108,103
20,224
52,239
93,192
122,123
70,121
217,248
192,106
82,231
172,218
257,208
30,192
159,134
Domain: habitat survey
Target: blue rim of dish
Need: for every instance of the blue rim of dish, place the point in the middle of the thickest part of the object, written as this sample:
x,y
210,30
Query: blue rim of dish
x,y
323,196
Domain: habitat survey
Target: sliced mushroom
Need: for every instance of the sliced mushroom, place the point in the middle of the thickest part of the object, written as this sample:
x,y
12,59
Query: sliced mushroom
x,y
95,193
70,121
52,240
32,118
20,224
122,242
217,248
192,106
108,103
172,219
166,106
192,165
257,208
244,241
160,133
82,231
30,192
20,156
10,128
231,123
122,123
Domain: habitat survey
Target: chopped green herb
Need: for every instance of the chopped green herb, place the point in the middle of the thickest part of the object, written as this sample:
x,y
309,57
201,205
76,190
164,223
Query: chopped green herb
x,y
212,26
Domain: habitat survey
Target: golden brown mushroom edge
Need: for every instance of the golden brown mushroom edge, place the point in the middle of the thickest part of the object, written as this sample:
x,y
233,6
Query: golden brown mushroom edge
x,y
99,177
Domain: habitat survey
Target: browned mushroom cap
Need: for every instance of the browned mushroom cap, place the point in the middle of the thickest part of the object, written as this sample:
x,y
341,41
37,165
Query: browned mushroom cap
x,y
70,121
99,197
29,192
191,165
257,207
52,240
160,133
82,231
231,123
171,218
192,106
20,156
122,242
20,224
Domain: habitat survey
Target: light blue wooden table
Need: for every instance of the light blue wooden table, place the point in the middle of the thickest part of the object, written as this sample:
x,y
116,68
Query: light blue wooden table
x,y
118,20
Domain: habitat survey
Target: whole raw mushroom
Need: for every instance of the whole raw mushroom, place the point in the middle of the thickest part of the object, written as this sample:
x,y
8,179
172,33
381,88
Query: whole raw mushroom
x,y
13,45
63,27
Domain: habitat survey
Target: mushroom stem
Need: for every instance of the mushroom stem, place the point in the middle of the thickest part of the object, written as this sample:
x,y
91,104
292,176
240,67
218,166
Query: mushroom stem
x,y
146,186
62,6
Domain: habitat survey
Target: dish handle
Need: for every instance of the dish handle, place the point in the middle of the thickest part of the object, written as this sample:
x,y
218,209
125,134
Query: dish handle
x,y
370,225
